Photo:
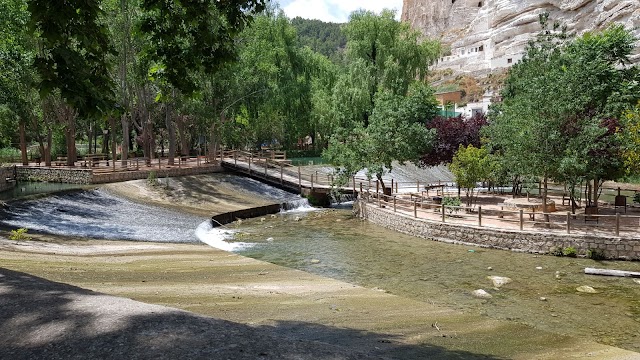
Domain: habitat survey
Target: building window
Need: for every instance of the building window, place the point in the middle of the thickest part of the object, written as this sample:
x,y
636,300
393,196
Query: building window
x,y
453,1
481,48
509,61
480,4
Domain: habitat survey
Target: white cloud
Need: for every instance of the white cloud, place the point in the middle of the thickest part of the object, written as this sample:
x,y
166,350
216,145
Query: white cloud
x,y
335,10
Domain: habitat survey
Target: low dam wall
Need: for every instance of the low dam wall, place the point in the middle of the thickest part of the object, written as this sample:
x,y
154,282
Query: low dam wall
x,y
611,247
229,217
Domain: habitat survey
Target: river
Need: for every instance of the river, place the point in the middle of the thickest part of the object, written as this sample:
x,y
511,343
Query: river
x,y
331,242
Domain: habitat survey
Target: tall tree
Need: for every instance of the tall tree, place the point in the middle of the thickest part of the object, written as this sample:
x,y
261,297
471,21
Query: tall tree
x,y
386,65
557,101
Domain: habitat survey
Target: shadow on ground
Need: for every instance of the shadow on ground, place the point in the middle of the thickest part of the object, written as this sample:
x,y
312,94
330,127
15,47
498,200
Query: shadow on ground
x,y
44,319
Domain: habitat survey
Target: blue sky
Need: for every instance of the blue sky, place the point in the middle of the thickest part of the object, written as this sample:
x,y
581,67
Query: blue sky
x,y
335,10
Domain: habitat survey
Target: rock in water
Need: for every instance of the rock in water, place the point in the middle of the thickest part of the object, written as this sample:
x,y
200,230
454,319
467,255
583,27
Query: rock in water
x,y
481,294
498,281
637,281
586,289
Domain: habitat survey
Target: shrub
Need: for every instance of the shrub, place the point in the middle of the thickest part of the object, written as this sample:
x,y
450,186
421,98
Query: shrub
x,y
556,251
19,235
595,254
570,252
451,201
152,179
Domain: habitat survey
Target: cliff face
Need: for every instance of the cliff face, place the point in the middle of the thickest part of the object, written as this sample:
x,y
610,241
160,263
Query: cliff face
x,y
484,35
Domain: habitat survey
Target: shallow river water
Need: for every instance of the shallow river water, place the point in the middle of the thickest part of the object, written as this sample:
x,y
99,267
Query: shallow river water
x,y
333,243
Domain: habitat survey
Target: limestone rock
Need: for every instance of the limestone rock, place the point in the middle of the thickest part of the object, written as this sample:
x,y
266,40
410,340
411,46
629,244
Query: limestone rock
x,y
481,294
498,281
586,289
485,35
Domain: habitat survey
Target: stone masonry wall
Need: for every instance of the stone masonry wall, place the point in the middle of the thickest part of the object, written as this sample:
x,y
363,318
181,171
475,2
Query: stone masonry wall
x,y
533,242
6,178
86,176
69,176
144,174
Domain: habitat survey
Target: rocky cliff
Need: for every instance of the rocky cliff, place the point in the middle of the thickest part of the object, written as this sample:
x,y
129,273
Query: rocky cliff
x,y
485,35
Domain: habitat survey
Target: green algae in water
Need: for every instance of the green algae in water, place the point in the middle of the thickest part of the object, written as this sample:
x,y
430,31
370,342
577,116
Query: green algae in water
x,y
334,244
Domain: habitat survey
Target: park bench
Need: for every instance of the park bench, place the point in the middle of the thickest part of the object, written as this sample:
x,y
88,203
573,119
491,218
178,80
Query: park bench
x,y
61,161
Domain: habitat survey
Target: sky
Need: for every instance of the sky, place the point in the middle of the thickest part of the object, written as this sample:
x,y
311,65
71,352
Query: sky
x,y
335,10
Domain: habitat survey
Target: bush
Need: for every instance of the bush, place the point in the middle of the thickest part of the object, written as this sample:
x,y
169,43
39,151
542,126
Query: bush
x,y
570,252
19,235
556,251
451,201
595,254
152,179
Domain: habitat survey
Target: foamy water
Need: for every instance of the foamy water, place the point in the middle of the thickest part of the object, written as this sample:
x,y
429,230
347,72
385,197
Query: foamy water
x,y
217,237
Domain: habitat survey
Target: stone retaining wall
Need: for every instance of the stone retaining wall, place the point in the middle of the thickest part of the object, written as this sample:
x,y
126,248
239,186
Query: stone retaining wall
x,y
56,175
144,174
611,247
6,178
86,176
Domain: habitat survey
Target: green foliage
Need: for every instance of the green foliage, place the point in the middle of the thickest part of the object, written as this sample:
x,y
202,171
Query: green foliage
x,y
19,235
455,202
190,37
569,251
152,179
74,48
560,105
321,37
596,254
379,110
470,166
556,251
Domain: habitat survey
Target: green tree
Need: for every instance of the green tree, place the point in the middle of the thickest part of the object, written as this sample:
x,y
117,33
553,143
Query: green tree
x,y
380,104
470,166
553,121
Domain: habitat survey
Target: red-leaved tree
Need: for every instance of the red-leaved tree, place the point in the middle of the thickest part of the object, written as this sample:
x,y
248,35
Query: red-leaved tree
x,y
450,134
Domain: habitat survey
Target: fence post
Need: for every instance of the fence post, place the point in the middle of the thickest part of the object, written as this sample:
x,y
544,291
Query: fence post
x,y
235,158
137,167
250,157
396,187
353,180
159,166
360,187
418,186
521,219
311,182
480,216
394,203
299,180
391,186
379,204
281,171
617,224
415,208
442,210
568,222
266,166
377,187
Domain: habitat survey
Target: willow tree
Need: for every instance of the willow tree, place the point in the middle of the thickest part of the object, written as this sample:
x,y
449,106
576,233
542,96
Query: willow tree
x,y
379,115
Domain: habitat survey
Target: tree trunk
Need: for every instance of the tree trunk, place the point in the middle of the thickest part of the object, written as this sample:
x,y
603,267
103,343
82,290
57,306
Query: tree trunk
x,y
124,121
170,130
69,119
23,144
112,125
47,149
596,187
544,200
182,133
